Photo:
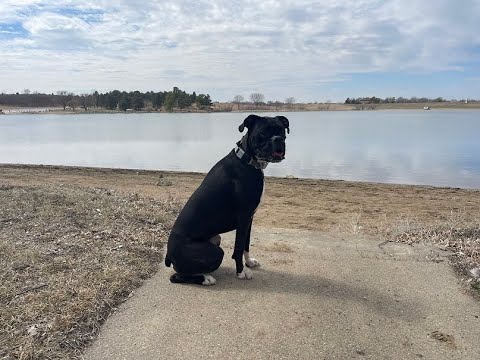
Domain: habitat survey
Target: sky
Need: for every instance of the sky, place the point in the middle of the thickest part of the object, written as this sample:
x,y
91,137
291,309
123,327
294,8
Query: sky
x,y
321,51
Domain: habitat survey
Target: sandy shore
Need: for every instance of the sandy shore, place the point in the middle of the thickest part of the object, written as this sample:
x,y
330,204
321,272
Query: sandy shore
x,y
321,205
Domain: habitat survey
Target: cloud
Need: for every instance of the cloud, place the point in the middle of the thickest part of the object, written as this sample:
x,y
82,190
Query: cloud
x,y
229,46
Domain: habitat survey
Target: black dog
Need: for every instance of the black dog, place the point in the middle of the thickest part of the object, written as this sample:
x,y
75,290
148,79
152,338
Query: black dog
x,y
226,200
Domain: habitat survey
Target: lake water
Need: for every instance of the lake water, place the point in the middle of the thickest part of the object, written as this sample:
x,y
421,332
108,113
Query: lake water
x,y
440,148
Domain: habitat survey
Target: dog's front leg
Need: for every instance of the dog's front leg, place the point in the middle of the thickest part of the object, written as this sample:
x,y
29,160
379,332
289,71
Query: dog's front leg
x,y
249,262
241,238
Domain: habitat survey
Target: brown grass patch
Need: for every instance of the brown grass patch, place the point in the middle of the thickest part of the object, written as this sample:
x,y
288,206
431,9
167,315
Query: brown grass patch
x,y
69,255
456,234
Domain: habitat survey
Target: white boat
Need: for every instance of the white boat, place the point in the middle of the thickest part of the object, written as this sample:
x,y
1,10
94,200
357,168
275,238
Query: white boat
x,y
426,108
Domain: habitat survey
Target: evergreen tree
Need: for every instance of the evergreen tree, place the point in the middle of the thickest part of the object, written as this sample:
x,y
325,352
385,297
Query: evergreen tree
x,y
169,101
138,103
110,102
125,102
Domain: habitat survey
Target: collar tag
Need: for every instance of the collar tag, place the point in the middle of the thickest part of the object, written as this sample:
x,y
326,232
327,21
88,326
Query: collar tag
x,y
239,152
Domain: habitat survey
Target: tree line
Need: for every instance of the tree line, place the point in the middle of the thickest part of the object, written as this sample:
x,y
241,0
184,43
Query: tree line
x,y
399,100
258,99
112,100
177,99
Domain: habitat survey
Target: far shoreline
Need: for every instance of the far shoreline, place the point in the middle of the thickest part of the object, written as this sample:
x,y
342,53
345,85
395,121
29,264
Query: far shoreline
x,y
229,108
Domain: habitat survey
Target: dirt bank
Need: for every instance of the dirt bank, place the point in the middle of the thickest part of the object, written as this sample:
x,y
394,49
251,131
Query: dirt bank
x,y
322,205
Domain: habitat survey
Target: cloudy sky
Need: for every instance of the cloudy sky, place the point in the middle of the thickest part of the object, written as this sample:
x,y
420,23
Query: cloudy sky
x,y
311,50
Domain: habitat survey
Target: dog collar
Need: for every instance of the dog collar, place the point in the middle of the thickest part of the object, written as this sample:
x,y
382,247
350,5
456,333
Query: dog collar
x,y
243,156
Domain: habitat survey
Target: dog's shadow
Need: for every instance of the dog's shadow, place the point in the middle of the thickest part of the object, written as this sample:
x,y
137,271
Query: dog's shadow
x,y
274,281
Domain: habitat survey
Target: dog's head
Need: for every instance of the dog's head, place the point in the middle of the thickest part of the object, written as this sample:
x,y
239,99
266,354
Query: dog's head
x,y
266,136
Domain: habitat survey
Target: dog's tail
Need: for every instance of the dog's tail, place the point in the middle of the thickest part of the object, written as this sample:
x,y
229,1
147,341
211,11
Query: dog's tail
x,y
187,279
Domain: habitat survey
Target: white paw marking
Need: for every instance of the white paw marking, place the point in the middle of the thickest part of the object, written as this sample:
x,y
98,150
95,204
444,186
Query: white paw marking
x,y
246,274
252,262
209,280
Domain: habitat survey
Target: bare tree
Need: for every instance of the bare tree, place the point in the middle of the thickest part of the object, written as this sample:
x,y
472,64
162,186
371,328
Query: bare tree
x,y
87,100
290,102
64,97
73,102
27,91
257,98
237,99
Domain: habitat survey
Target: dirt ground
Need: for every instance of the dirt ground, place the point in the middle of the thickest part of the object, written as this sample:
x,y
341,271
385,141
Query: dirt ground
x,y
321,205
76,242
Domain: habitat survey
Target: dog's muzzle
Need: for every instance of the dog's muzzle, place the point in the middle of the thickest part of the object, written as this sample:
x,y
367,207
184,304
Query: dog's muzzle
x,y
274,151
278,149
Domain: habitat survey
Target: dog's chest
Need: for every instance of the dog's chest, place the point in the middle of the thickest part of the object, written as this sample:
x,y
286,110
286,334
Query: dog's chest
x,y
261,196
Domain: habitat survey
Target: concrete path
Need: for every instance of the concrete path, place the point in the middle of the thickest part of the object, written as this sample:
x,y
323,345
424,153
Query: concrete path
x,y
315,297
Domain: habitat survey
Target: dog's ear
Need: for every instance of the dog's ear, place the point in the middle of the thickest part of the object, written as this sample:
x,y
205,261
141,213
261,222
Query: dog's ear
x,y
285,123
249,122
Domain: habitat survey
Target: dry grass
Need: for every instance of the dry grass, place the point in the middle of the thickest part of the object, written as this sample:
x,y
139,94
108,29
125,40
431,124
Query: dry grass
x,y
68,256
458,235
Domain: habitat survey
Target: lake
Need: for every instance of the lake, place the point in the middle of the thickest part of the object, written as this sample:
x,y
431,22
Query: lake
x,y
439,148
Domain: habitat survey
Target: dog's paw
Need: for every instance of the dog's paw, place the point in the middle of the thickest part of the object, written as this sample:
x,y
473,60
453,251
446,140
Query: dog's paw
x,y
251,263
246,274
209,280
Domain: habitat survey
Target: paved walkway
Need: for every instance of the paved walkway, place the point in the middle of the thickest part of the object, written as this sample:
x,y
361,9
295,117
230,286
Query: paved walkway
x,y
315,297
